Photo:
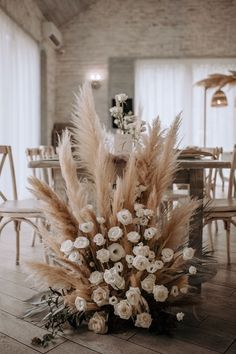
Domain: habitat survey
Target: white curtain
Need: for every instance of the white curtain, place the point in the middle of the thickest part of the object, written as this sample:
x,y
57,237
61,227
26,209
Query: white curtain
x,y
166,87
19,97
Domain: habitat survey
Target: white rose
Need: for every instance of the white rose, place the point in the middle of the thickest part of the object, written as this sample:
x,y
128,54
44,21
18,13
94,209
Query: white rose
x,y
159,264
112,278
86,227
148,283
140,213
99,239
113,300
143,221
75,256
116,252
115,233
148,212
152,267
188,253
103,255
192,270
150,233
96,277
143,320
180,316
133,236
123,309
81,242
174,291
151,255
121,97
138,206
100,220
129,258
100,296
67,246
97,323
140,262
119,266
133,296
80,304
124,216
160,293
141,250
167,254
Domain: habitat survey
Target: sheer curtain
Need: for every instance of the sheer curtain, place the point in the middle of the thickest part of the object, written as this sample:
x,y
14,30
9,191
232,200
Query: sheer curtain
x,y
19,97
166,87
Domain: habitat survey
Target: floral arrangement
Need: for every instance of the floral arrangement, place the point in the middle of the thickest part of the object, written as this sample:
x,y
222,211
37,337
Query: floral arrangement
x,y
125,258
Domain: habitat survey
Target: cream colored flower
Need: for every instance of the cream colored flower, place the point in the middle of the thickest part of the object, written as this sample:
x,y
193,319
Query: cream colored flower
x,y
96,277
159,264
143,320
80,304
113,300
115,233
148,283
124,216
119,266
75,257
112,278
100,220
81,242
141,250
103,255
148,212
86,227
133,236
152,267
129,258
140,262
123,309
116,252
167,255
174,291
100,296
133,296
140,212
188,253
99,239
97,323
160,293
192,270
150,233
121,97
151,255
138,206
67,246
180,316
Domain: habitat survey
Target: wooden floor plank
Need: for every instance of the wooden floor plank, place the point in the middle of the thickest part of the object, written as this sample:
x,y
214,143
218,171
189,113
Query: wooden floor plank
x,y
71,348
10,346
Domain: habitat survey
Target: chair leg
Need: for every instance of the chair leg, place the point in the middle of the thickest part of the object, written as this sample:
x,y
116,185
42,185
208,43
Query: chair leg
x,y
216,226
227,227
17,230
209,227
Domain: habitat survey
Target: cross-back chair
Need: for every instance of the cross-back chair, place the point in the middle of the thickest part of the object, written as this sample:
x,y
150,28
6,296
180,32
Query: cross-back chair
x,y
16,211
225,208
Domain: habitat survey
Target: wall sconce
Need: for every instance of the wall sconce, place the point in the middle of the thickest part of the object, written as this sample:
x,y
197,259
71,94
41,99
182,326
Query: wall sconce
x,y
96,81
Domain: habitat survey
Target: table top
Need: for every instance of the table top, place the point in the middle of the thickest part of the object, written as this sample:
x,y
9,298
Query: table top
x,y
183,163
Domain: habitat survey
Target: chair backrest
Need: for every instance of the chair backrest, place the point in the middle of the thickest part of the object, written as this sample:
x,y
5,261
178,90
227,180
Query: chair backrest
x,y
231,187
6,154
46,151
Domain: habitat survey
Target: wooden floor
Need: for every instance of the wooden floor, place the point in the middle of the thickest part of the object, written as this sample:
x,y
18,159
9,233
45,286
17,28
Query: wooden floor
x,y
213,332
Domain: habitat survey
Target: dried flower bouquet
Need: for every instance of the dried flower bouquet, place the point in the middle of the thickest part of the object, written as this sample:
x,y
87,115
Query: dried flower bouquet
x,y
125,258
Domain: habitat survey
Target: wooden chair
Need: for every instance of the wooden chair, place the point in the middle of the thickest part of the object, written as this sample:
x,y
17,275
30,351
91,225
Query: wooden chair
x,y
224,209
16,211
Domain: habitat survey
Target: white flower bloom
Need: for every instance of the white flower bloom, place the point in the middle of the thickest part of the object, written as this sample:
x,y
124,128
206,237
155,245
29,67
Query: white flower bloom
x,y
119,266
112,278
167,255
113,300
81,242
115,233
123,309
143,320
124,216
133,296
121,97
116,252
100,296
140,262
103,255
100,220
160,293
141,250
192,270
150,233
99,239
159,264
188,253
140,213
97,323
80,304
133,236
116,111
143,221
86,227
148,283
92,264
138,206
152,267
174,291
148,212
67,246
96,277
75,256
180,316
184,290
151,255
129,258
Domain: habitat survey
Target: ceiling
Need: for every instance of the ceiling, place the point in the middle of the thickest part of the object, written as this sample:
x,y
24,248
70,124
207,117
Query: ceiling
x,y
62,11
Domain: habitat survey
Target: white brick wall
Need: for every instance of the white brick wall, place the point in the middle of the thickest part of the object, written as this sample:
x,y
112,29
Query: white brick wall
x,y
139,28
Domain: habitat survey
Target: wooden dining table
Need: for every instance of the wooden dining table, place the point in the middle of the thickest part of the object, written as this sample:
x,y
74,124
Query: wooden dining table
x,y
190,171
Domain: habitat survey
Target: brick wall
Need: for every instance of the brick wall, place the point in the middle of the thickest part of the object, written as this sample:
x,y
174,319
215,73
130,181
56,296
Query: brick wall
x,y
134,29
